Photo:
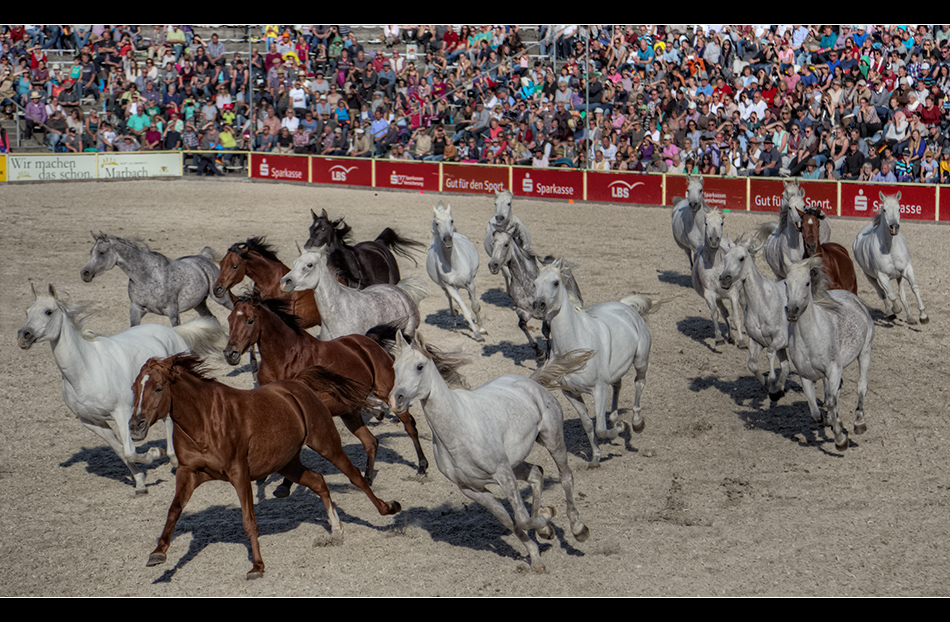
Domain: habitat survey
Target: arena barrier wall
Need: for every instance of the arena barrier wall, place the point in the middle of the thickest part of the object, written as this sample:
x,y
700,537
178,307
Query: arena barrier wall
x,y
927,202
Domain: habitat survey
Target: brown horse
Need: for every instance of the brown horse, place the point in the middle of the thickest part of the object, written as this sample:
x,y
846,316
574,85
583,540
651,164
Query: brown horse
x,y
257,260
835,259
238,436
286,349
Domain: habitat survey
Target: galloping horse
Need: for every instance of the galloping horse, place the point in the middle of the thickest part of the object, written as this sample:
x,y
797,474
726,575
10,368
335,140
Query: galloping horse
x,y
98,371
688,218
883,254
783,242
830,329
835,259
256,259
238,436
482,437
157,284
286,349
452,262
707,267
504,220
363,264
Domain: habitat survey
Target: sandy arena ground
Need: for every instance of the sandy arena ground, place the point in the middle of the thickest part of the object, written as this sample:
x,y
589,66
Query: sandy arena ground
x,y
722,494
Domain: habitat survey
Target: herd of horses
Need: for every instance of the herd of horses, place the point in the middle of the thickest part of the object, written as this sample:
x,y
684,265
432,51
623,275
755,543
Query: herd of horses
x,y
369,358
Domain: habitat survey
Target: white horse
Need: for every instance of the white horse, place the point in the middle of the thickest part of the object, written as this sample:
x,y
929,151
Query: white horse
x,y
98,372
707,266
882,252
688,221
783,244
830,329
452,262
617,335
504,220
347,310
482,437
764,313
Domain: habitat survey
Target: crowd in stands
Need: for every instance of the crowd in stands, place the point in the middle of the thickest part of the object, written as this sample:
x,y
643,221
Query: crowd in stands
x,y
851,102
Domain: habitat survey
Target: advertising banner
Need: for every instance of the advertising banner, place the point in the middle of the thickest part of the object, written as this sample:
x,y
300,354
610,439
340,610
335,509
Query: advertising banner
x,y
405,175
542,183
342,171
917,202
619,187
943,212
3,168
50,167
719,192
474,179
765,195
128,165
279,167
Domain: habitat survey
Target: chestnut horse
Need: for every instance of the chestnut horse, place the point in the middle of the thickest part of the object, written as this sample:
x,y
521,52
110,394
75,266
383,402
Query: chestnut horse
x,y
256,259
286,349
238,436
835,259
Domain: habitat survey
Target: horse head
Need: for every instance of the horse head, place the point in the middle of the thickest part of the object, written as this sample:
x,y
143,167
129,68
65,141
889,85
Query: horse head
x,y
305,273
714,221
244,328
443,226
694,192
43,319
501,250
737,263
502,208
151,397
102,257
890,213
323,231
794,205
810,227
547,290
232,269
409,368
799,286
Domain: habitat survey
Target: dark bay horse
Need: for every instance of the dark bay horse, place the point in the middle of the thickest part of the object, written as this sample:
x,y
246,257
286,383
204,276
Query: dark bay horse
x,y
366,263
238,436
835,259
257,260
286,349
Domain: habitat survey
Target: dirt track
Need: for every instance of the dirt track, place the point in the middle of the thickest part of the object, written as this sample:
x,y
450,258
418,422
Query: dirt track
x,y
721,494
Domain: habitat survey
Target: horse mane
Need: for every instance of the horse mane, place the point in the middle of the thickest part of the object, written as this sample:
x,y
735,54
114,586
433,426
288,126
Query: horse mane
x,y
446,362
820,282
277,306
336,264
77,314
566,270
342,231
257,245
194,366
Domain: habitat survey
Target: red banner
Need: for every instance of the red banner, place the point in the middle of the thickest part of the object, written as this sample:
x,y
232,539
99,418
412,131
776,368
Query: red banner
x,y
344,171
547,183
633,188
765,195
279,167
474,179
944,206
917,202
719,192
403,175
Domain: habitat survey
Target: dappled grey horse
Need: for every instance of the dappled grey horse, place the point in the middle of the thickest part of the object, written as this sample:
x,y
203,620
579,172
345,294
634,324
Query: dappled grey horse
x,y
157,284
707,266
688,218
881,251
523,267
783,241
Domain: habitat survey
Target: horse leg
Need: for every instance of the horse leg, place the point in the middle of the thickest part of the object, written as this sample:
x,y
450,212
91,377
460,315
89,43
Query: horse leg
x,y
186,481
890,301
902,293
551,437
523,325
637,422
476,307
534,476
202,308
755,351
136,313
297,473
832,388
864,362
546,333
452,311
909,275
714,305
808,388
354,423
577,401
323,438
466,313
106,433
241,481
736,313
169,442
600,410
409,423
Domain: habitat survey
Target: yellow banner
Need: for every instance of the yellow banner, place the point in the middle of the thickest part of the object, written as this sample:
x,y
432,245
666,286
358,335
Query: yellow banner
x,y
3,168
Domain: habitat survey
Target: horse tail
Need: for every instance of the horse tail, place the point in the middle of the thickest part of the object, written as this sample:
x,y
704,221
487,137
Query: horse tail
x,y
765,230
640,304
415,287
550,374
349,393
204,335
398,244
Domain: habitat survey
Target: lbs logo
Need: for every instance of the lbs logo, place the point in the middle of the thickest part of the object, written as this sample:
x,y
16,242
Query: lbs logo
x,y
622,190
338,173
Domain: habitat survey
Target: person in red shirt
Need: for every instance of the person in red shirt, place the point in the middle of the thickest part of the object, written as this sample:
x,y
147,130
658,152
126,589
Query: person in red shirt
x,y
929,113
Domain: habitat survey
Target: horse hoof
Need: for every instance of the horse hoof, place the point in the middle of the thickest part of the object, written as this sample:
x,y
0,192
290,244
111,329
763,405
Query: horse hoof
x,y
860,428
547,513
282,491
155,559
394,508
776,396
255,574
720,342
638,427
842,443
546,532
892,317
924,319
581,532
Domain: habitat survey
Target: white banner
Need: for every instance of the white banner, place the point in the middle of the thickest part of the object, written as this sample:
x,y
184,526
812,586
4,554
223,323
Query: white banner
x,y
131,164
50,167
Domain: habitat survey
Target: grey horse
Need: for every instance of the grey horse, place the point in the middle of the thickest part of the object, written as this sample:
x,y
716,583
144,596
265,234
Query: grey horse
x,y
157,284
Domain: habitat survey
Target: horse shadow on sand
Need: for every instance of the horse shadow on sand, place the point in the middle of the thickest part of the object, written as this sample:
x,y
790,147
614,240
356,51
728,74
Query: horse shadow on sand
x,y
788,417
675,278
223,524
700,330
103,462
